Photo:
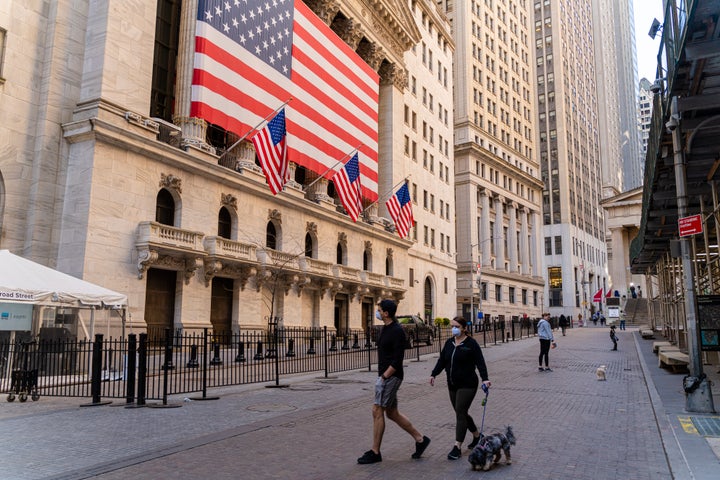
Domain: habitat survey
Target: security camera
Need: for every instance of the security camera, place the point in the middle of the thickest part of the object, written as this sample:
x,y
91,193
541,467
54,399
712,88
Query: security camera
x,y
655,87
673,123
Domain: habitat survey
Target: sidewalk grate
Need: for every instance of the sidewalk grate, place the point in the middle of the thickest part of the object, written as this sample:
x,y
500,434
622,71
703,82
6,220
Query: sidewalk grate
x,y
707,426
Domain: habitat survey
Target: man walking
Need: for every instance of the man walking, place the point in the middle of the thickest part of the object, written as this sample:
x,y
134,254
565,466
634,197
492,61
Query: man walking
x,y
391,352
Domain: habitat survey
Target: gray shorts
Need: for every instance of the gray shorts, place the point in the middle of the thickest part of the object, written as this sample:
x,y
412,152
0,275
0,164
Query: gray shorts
x,y
386,392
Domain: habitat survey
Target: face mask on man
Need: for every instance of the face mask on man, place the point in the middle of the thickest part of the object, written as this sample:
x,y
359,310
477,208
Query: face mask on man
x,y
456,331
378,315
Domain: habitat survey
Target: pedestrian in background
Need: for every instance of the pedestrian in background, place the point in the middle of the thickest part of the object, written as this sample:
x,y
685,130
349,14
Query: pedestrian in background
x,y
563,323
546,339
391,353
613,337
460,357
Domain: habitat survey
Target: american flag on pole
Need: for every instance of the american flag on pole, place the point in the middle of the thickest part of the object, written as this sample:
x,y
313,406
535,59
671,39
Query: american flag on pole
x,y
348,187
400,208
252,55
272,152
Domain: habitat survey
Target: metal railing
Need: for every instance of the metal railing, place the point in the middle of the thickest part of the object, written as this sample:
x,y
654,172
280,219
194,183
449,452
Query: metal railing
x,y
155,366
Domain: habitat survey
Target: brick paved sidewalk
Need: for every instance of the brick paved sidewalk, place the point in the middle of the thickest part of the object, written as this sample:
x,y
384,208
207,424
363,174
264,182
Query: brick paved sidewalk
x,y
568,425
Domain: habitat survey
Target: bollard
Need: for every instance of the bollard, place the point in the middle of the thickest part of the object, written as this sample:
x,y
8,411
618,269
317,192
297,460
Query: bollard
x,y
193,362
355,341
95,387
131,366
258,352
168,362
216,360
367,339
291,348
142,370
240,357
311,350
345,342
333,346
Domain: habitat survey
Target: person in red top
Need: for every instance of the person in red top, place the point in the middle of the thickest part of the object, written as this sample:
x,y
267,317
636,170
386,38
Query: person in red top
x,y
391,352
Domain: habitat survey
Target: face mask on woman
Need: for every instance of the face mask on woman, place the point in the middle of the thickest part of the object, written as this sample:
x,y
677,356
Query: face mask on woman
x,y
456,331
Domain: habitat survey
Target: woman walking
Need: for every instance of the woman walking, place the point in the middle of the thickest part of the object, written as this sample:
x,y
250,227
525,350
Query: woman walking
x,y
460,356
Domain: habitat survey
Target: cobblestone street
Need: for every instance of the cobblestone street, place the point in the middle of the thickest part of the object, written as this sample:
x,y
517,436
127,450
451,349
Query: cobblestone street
x,y
568,425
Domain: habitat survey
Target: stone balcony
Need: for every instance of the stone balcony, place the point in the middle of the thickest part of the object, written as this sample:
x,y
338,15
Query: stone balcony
x,y
170,248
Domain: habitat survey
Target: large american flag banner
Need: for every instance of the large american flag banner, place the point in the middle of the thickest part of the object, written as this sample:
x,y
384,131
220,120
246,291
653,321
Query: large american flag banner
x,y
400,208
271,149
348,186
251,56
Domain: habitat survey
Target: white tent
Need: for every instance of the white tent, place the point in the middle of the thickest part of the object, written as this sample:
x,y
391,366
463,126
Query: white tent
x,y
24,281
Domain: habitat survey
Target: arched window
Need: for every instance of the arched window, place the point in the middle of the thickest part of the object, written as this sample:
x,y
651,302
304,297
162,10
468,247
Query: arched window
x,y
271,236
309,245
340,259
428,299
165,208
388,266
224,223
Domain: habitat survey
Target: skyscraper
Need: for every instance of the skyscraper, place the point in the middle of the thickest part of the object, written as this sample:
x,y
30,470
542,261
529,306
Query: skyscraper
x,y
497,176
570,154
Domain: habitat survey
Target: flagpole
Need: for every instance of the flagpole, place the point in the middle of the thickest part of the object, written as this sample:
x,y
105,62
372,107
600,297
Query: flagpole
x,y
391,191
333,167
253,129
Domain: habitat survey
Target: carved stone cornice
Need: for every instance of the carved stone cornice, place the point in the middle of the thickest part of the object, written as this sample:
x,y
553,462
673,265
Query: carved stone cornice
x,y
171,182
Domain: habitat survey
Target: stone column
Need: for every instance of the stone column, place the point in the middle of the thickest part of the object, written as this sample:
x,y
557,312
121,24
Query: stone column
x,y
193,129
512,236
499,240
524,254
485,228
535,237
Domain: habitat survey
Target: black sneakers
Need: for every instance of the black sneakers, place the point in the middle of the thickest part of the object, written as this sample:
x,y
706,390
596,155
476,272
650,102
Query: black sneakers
x,y
548,369
474,442
540,369
420,447
454,453
370,457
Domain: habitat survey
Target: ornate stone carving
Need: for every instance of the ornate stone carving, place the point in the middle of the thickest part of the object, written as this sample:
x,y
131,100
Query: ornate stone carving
x,y
311,227
212,268
171,182
275,215
380,29
392,74
325,9
146,258
330,288
389,253
228,200
342,237
191,265
349,30
368,245
371,53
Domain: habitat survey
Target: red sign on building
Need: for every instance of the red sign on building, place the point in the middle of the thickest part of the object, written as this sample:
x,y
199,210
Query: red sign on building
x,y
690,225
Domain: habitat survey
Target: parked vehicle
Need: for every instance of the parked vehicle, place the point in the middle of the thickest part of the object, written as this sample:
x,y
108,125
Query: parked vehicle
x,y
416,330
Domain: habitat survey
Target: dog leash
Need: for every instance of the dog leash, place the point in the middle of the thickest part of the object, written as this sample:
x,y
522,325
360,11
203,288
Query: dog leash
x,y
484,404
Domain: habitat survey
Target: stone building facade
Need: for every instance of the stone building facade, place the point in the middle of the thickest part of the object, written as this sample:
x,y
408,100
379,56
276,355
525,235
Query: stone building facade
x,y
104,175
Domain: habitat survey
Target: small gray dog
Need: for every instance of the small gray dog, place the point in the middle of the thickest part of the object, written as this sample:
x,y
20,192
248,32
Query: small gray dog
x,y
487,452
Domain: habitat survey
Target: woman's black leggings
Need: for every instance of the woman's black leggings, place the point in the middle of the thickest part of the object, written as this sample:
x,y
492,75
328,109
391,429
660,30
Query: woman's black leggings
x,y
461,400
544,349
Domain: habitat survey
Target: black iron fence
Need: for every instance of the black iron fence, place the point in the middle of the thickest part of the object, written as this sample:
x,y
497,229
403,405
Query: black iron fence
x,y
140,368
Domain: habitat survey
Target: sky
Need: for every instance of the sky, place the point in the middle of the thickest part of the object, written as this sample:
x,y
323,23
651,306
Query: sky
x,y
647,48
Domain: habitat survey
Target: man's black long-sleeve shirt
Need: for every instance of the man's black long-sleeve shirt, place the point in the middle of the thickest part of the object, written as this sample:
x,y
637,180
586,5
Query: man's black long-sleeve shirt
x,y
391,349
